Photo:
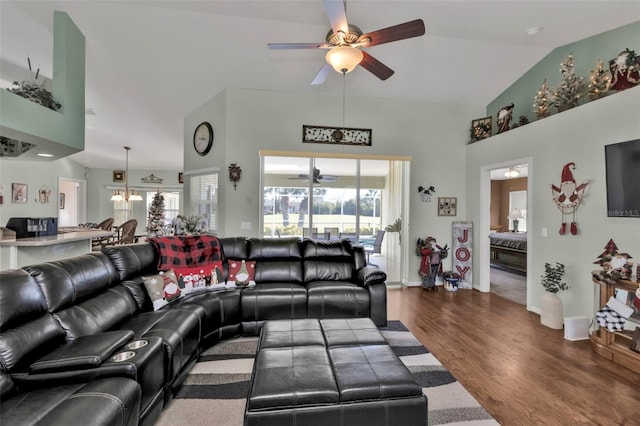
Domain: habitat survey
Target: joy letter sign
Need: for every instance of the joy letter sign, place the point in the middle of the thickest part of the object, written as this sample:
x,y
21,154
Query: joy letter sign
x,y
461,249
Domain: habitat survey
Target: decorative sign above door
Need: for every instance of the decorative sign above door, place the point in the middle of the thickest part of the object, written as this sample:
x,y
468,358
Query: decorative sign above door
x,y
336,135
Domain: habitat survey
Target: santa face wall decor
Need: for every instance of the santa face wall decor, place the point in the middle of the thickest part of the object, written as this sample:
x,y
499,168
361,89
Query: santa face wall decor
x,y
568,197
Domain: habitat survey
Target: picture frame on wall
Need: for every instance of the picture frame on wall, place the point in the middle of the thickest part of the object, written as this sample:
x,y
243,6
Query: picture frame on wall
x,y
119,175
19,193
481,128
180,177
447,206
61,201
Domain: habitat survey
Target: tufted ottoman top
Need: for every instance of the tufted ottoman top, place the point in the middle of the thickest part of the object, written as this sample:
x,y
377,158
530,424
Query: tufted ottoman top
x,y
331,367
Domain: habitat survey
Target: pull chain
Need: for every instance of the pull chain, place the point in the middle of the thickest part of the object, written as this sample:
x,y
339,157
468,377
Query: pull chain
x,y
344,89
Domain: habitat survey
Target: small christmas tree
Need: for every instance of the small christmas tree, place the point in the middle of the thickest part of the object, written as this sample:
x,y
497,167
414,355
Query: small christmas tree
x,y
571,87
155,218
609,251
542,101
599,81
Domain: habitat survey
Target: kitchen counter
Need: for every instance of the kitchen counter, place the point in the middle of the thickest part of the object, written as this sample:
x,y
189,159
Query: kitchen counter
x,y
15,253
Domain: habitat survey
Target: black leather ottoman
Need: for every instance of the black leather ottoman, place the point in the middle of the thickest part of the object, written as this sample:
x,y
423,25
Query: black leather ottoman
x,y
338,372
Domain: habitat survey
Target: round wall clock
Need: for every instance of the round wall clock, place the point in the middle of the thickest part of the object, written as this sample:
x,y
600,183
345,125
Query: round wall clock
x,y
203,138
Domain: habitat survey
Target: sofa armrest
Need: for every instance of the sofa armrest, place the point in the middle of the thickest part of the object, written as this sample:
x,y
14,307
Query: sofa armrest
x,y
378,304
84,352
370,275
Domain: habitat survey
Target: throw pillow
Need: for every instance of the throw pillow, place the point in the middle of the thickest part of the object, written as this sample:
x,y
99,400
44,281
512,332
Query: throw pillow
x,y
200,278
186,251
236,275
162,288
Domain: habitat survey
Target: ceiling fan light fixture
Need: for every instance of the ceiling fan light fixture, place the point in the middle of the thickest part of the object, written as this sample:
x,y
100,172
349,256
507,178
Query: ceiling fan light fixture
x,y
344,58
512,172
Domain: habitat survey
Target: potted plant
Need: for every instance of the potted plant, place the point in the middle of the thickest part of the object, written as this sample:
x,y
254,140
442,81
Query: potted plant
x,y
550,304
395,227
192,224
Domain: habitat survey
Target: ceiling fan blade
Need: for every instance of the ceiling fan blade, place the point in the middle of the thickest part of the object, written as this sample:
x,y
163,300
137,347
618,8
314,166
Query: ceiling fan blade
x,y
375,67
409,29
322,75
277,46
337,15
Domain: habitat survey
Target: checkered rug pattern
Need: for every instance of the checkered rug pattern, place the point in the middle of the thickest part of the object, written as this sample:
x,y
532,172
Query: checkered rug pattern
x,y
214,392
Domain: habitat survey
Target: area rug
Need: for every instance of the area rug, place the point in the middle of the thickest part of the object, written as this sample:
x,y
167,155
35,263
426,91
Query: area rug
x,y
214,392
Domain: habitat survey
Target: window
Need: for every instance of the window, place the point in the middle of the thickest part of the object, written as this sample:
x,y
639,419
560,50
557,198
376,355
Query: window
x,y
122,211
204,200
171,205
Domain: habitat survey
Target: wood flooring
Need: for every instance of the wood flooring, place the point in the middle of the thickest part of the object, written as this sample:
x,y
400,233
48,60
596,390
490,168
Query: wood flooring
x,y
522,372
509,285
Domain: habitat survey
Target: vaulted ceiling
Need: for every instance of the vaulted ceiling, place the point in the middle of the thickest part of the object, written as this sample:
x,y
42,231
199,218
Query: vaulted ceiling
x,y
150,63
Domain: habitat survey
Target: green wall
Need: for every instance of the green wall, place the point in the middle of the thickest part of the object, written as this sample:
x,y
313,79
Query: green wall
x,y
585,53
577,135
247,121
100,187
60,133
35,174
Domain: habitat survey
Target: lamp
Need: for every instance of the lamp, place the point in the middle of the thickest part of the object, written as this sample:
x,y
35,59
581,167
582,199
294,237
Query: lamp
x,y
514,215
344,58
512,172
127,194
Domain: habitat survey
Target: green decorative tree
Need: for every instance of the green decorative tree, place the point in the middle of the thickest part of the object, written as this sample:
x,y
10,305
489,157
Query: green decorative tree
x,y
155,218
542,101
599,81
552,278
567,94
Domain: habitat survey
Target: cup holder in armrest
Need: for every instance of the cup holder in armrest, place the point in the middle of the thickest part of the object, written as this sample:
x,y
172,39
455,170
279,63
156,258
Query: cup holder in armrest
x,y
123,356
137,344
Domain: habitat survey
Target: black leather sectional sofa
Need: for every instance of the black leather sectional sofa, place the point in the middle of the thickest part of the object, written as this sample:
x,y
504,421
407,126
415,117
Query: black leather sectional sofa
x,y
81,344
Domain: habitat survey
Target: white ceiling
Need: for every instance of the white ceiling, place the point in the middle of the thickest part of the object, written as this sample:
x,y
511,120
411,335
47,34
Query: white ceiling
x,y
150,63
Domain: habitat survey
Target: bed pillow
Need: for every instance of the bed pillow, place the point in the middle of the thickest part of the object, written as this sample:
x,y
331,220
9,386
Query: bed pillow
x,y
199,278
163,288
177,252
234,269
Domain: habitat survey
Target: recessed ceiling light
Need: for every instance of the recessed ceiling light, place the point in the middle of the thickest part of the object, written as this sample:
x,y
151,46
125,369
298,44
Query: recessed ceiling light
x,y
42,154
534,30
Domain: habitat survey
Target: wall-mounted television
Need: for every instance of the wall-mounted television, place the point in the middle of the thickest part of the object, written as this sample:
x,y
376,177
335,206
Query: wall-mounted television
x,y
623,178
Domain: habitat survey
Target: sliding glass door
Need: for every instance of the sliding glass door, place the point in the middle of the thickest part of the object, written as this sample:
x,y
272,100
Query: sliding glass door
x,y
322,198
336,198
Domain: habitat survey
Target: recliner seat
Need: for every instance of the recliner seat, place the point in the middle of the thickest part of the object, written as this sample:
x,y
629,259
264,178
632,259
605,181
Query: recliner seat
x,y
100,296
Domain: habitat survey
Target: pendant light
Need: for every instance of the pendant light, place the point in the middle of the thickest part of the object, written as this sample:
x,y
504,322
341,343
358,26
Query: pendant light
x,y
127,194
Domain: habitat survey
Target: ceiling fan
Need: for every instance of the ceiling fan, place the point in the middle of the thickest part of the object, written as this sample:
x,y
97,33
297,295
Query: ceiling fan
x,y
345,42
317,177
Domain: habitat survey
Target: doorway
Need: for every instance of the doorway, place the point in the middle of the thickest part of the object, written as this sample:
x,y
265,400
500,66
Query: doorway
x,y
72,195
504,259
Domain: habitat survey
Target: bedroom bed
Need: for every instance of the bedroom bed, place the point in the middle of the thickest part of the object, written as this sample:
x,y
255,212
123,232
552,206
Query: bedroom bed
x,y
509,249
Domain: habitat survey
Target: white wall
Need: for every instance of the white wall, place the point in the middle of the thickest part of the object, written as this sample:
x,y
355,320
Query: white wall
x,y
577,135
245,121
